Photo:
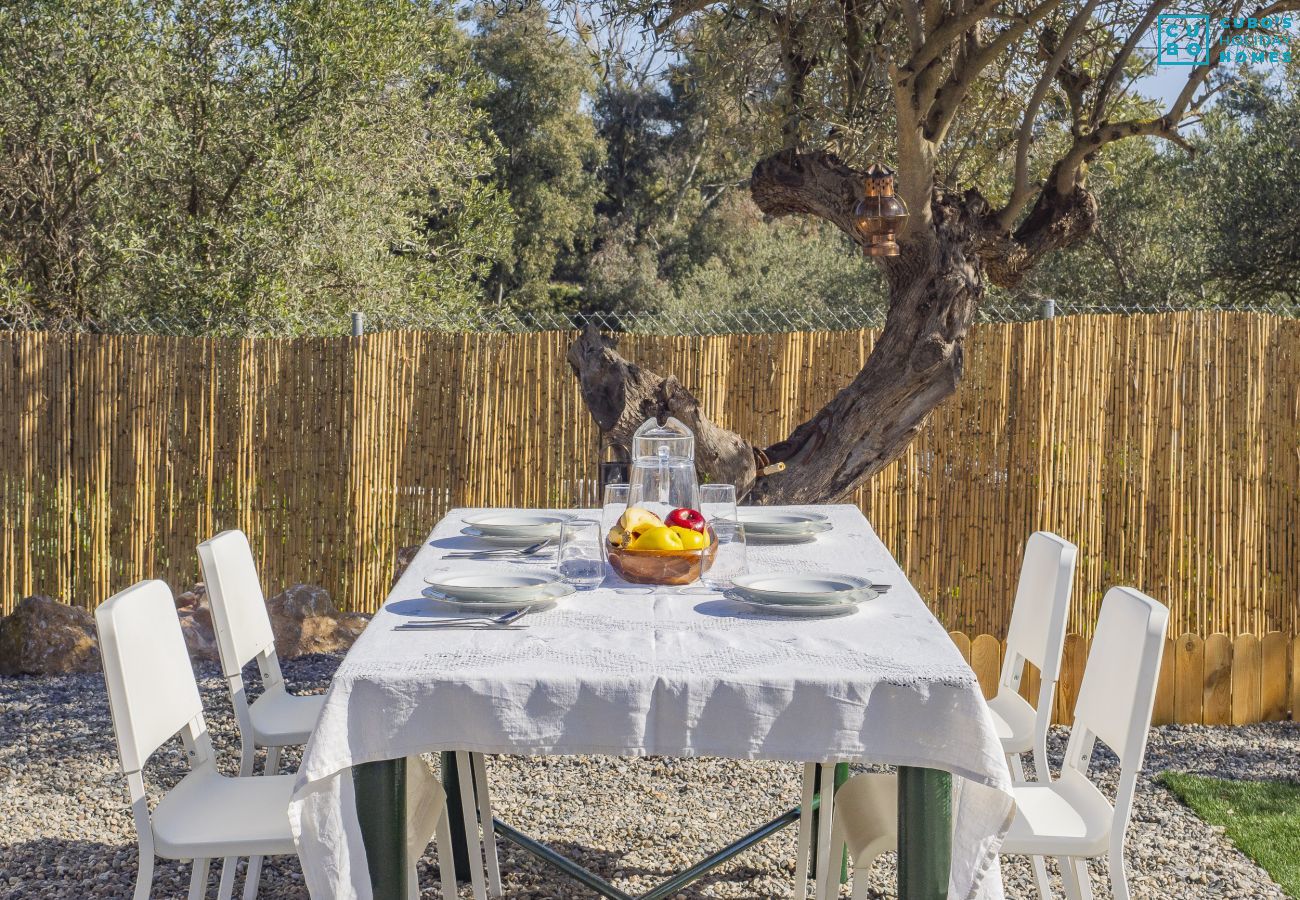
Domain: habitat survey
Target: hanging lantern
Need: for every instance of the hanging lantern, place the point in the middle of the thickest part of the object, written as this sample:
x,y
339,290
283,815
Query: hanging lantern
x,y
879,214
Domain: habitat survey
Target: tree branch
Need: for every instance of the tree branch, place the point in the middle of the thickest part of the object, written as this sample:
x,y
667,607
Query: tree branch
x,y
1020,190
621,395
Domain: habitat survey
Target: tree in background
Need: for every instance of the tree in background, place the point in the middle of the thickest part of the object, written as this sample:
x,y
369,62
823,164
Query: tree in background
x,y
538,111
1212,227
1245,178
215,161
994,113
678,232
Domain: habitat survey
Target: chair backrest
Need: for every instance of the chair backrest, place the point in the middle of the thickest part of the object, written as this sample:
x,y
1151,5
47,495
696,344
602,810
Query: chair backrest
x,y
151,688
238,606
1038,618
1120,679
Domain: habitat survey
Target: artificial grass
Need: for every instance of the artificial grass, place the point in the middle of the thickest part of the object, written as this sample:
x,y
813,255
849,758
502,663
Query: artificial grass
x,y
1262,818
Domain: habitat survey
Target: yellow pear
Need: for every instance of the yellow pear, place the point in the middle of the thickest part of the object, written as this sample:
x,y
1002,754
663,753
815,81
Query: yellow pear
x,y
691,539
657,538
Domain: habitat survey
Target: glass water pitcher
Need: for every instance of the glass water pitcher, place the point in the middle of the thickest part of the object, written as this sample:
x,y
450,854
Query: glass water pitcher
x,y
663,468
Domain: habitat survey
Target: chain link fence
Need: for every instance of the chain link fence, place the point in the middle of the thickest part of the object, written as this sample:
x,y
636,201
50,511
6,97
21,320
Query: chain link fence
x,y
503,319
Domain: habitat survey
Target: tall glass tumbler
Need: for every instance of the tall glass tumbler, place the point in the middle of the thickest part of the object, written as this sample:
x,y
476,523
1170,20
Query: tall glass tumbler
x,y
718,501
581,557
730,560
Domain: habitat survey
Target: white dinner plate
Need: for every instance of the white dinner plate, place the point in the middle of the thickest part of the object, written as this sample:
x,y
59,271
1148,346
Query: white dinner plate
x,y
518,524
767,521
501,540
795,537
818,588
545,600
796,609
493,584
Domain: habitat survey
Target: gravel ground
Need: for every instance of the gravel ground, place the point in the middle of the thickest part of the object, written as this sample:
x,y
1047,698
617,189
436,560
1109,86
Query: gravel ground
x,y
66,831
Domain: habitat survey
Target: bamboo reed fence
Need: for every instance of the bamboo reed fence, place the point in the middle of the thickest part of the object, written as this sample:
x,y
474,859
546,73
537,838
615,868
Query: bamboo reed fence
x,y
1165,446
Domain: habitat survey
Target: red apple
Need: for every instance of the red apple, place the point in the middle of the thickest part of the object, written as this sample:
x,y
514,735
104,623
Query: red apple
x,y
687,518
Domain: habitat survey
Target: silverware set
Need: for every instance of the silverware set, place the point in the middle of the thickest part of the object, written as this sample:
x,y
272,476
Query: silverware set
x,y
504,553
503,621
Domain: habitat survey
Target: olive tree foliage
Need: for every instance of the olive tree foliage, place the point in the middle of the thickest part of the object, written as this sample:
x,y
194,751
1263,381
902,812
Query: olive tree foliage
x,y
678,231
993,112
215,160
537,109
1215,226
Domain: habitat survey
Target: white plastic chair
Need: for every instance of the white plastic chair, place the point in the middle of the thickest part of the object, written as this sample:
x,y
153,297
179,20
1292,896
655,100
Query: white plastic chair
x,y
1069,818
153,696
1036,635
277,718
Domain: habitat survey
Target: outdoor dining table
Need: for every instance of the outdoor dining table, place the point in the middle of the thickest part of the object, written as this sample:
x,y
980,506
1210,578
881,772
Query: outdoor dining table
x,y
624,670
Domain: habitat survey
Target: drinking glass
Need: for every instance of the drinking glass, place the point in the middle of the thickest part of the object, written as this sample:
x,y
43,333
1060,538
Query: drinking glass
x,y
612,505
730,559
718,501
581,557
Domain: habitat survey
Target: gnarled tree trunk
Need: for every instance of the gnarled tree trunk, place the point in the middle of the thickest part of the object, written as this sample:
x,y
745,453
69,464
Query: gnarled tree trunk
x,y
935,287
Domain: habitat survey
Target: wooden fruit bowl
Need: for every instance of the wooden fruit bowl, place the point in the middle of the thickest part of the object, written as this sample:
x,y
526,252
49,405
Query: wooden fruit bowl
x,y
662,566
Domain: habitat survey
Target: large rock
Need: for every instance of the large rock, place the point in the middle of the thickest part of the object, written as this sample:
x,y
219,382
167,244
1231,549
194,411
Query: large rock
x,y
195,613
45,637
305,620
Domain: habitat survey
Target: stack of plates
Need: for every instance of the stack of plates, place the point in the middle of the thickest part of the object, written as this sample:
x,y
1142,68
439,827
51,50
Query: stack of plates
x,y
778,527
497,590
803,595
515,529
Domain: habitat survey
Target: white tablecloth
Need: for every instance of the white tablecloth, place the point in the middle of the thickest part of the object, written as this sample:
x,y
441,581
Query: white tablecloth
x,y
637,674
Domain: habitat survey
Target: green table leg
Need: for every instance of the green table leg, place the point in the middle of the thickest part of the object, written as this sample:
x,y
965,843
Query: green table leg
x,y
381,811
924,833
455,815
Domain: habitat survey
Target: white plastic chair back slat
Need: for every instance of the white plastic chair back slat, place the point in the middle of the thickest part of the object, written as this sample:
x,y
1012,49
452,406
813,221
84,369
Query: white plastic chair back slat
x,y
238,605
151,688
1120,679
1037,629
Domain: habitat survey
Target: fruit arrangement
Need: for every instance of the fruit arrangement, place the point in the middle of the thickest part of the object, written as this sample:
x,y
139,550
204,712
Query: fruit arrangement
x,y
639,529
648,550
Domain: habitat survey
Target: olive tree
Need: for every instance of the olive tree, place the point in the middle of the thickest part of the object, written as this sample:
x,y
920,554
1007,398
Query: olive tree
x,y
991,111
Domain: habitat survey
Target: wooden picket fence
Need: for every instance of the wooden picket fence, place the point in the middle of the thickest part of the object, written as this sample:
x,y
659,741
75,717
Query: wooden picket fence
x,y
1216,680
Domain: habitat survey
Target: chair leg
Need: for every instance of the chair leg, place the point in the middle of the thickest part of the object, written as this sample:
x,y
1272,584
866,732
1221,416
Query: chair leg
x,y
247,757
484,798
199,879
861,871
1118,878
272,766
412,877
144,877
446,858
805,833
464,774
226,888
1074,873
828,876
253,877
1017,767
1041,878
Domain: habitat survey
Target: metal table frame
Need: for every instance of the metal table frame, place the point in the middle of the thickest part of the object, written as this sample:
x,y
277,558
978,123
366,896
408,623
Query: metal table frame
x,y
924,834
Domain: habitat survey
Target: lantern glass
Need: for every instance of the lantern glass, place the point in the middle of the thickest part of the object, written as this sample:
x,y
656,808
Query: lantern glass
x,y
879,214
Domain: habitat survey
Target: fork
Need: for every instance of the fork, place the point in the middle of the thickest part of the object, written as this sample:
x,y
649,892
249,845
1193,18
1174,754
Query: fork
x,y
504,620
507,552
